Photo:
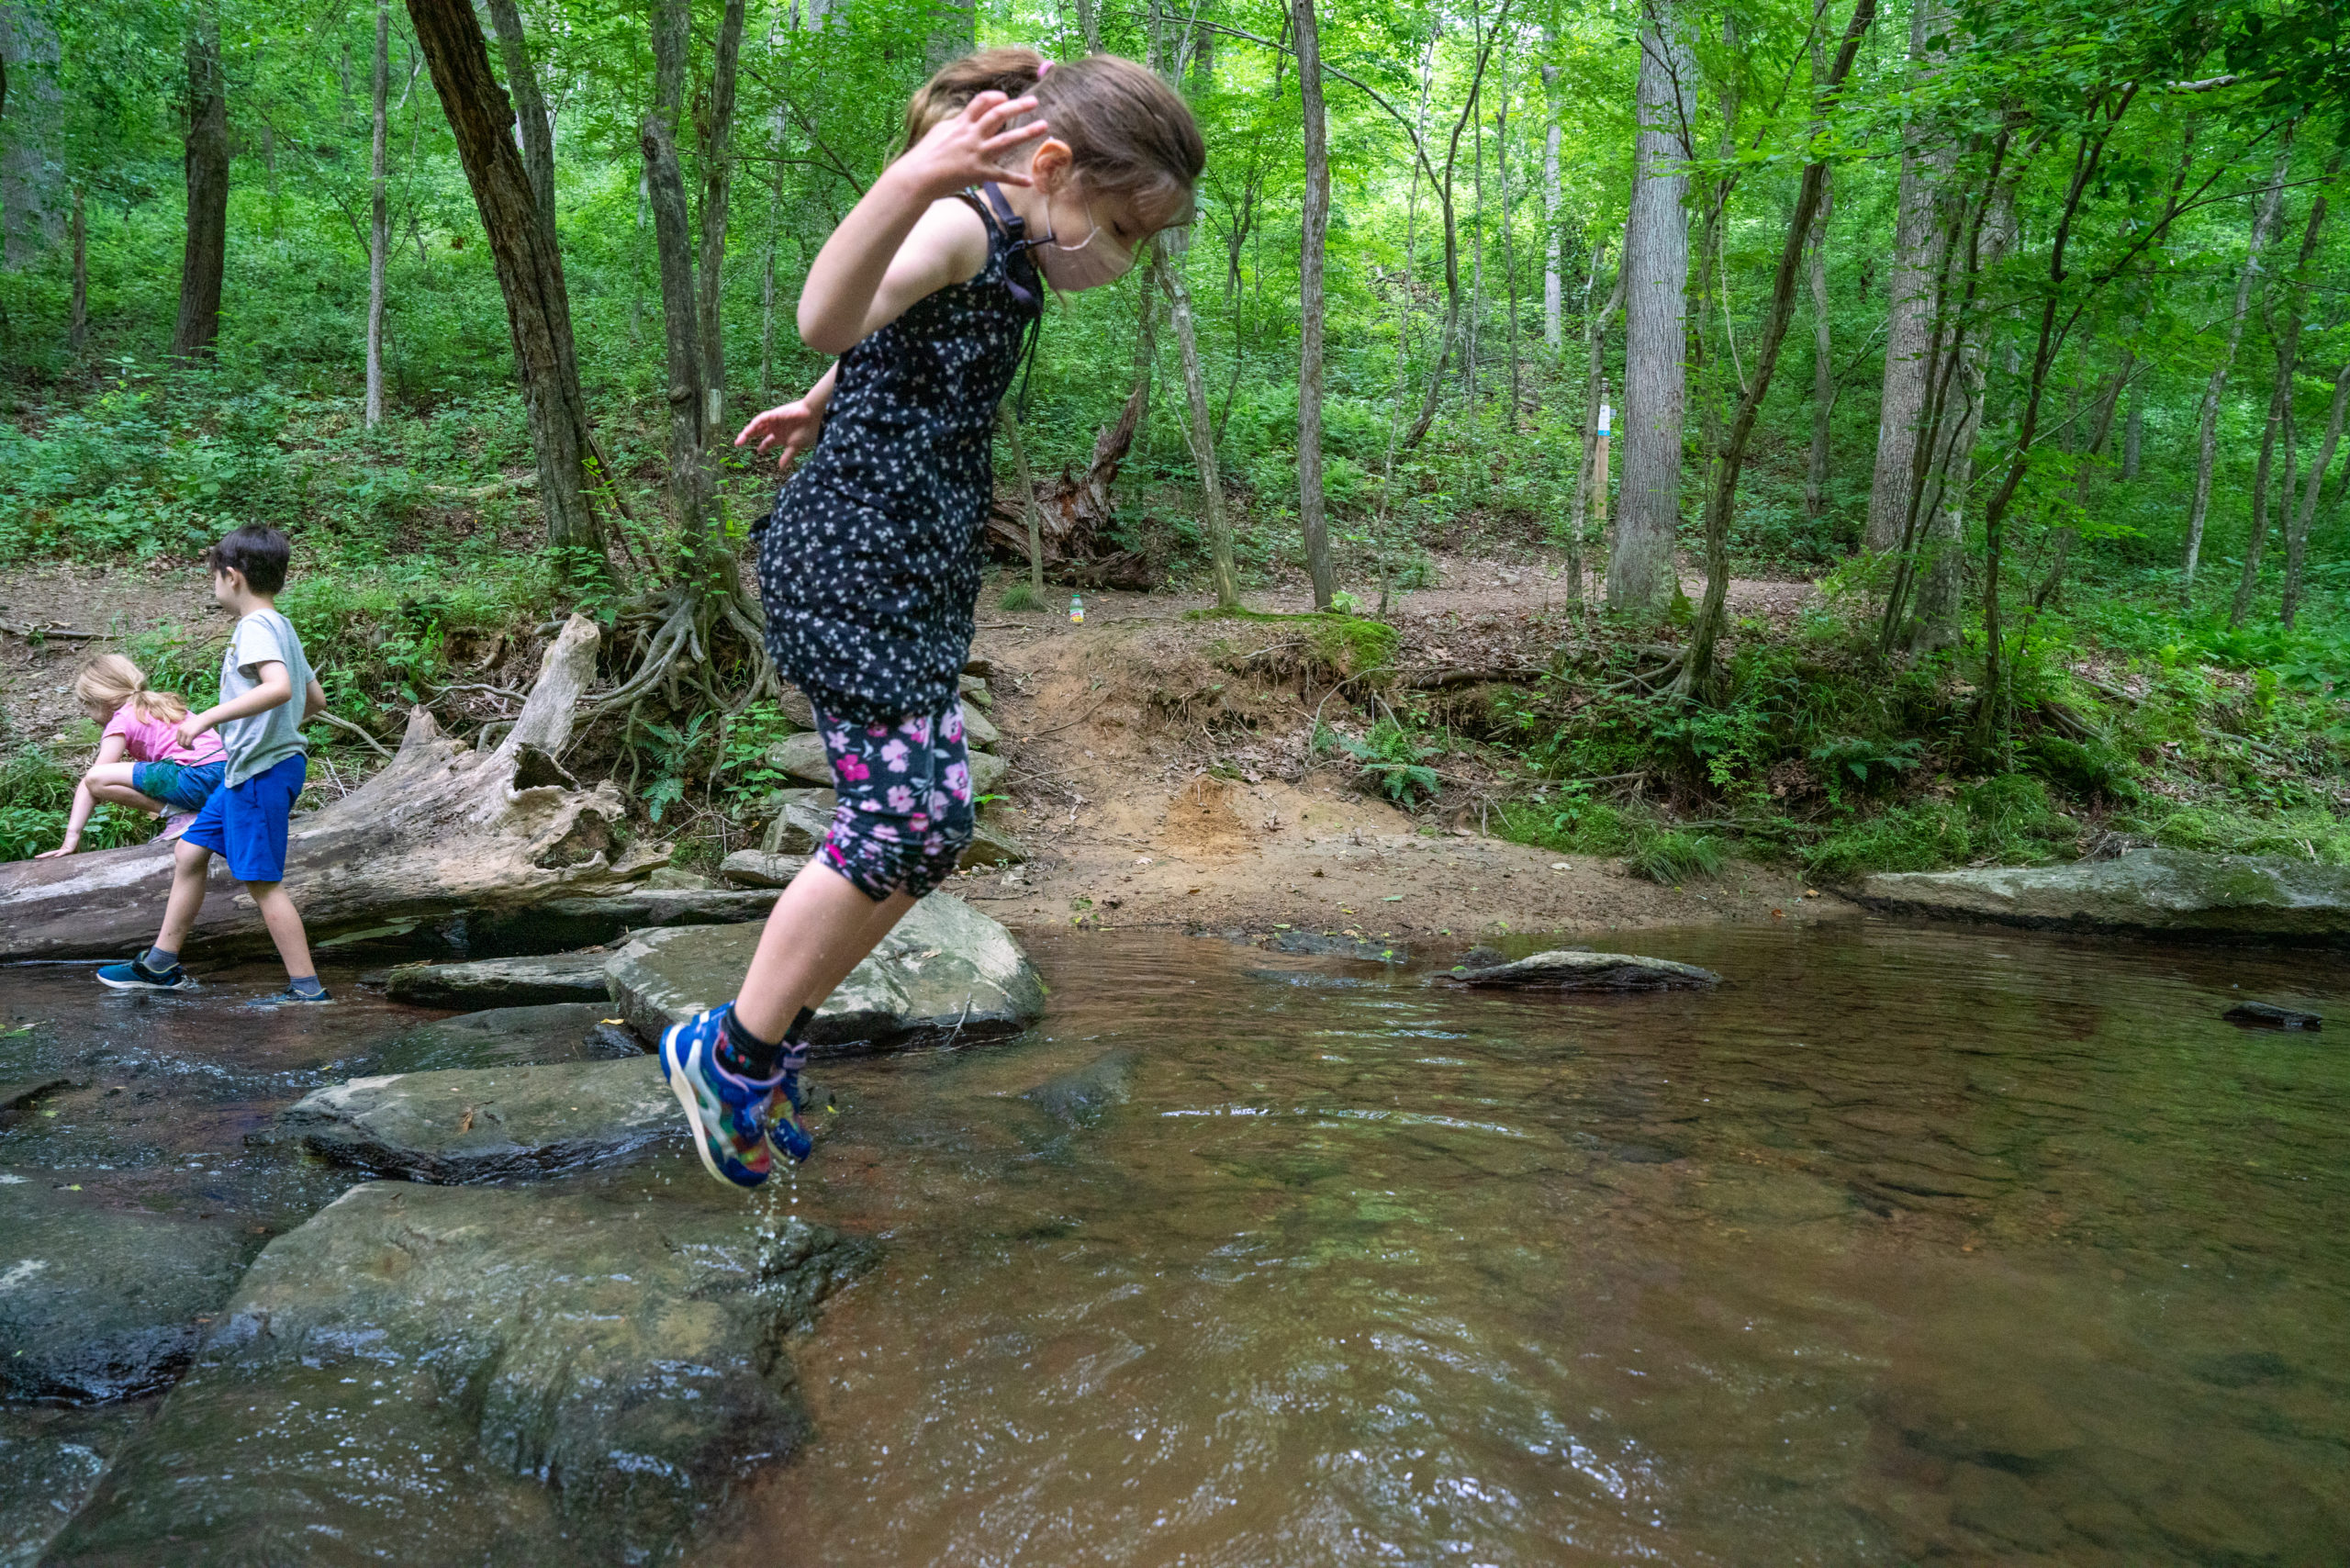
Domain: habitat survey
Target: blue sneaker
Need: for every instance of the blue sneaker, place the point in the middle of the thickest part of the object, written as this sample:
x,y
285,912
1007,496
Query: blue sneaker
x,y
727,1113
136,976
289,997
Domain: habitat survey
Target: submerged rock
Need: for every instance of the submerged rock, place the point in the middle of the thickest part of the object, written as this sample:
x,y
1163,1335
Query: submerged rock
x,y
1577,970
50,1458
2268,1016
533,1374
947,969
1340,944
501,982
2172,891
1083,1096
505,1037
99,1302
451,1128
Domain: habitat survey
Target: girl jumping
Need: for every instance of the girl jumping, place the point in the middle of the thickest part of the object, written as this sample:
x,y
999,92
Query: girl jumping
x,y
870,564
141,761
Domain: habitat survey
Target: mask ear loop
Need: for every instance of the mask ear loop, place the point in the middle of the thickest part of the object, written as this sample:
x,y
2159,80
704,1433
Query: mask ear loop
x,y
1017,248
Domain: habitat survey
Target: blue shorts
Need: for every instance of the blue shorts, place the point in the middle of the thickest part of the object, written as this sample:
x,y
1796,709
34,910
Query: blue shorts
x,y
247,821
184,787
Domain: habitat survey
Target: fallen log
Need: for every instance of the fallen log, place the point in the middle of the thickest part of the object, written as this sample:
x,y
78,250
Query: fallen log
x,y
443,831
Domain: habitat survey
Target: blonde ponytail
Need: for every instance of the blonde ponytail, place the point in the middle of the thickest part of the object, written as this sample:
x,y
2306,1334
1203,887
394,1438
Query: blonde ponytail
x,y
110,681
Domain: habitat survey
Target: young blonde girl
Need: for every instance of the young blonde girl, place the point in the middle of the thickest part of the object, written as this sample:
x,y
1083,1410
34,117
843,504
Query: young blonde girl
x,y
141,763
870,564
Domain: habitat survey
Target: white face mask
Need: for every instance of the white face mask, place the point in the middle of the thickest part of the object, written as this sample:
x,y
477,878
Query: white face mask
x,y
1093,260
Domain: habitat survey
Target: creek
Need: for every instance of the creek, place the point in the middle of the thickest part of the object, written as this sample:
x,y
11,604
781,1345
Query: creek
x,y
1908,1243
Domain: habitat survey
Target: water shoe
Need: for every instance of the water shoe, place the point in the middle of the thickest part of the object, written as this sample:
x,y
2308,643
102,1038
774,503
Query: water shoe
x,y
136,976
787,1135
726,1112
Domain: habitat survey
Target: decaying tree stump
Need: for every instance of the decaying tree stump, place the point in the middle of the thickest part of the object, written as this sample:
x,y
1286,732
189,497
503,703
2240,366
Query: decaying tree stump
x,y
444,829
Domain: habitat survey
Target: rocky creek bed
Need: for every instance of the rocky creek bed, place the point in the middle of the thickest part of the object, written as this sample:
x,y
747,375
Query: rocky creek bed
x,y
544,1329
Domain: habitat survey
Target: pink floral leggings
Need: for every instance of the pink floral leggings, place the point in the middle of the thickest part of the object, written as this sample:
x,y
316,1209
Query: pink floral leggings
x,y
905,809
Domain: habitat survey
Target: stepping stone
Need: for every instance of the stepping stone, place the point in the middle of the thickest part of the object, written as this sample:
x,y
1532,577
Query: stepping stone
x,y
946,971
577,1374
2147,891
1586,971
757,868
99,1302
561,925
801,817
507,1037
492,1124
501,982
802,758
2268,1016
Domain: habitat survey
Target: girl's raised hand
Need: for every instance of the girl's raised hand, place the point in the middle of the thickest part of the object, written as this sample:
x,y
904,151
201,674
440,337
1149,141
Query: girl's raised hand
x,y
970,148
794,427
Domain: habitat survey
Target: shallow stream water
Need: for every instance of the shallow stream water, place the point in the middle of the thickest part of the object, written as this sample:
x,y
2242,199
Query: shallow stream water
x,y
1909,1244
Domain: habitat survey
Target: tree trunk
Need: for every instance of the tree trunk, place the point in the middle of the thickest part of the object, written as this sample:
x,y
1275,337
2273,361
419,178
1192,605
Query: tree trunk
x,y
2207,434
1201,431
1448,341
1918,237
529,267
716,128
1316,226
1553,330
379,224
1640,572
2280,403
206,166
443,832
1590,482
1085,506
30,160
2134,434
1823,361
530,117
1008,417
1509,259
77,326
956,34
1472,338
689,485
2297,538
1697,669
1823,365
766,267
1089,24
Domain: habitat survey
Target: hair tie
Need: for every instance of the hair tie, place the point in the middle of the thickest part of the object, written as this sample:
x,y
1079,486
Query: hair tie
x,y
1043,66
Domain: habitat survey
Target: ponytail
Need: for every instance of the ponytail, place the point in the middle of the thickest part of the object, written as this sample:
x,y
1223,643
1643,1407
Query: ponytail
x,y
113,682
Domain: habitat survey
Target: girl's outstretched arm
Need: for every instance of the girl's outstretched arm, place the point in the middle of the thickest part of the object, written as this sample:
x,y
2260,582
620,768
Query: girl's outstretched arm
x,y
110,749
795,425
893,248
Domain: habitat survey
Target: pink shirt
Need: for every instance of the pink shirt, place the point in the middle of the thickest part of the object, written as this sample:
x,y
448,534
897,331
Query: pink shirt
x,y
151,740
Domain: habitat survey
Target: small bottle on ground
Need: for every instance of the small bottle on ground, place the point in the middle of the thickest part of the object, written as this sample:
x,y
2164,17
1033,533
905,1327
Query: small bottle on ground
x,y
1076,610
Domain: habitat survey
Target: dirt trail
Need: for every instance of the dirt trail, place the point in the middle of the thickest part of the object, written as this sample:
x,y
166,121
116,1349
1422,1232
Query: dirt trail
x,y
1138,813
1153,786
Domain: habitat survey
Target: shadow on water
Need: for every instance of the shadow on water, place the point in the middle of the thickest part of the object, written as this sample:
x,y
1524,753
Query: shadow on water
x,y
1908,1243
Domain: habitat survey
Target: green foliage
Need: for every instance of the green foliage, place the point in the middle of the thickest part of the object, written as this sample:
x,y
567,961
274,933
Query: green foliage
x,y
1018,596
2006,820
1856,757
36,793
2087,768
1393,760
1674,858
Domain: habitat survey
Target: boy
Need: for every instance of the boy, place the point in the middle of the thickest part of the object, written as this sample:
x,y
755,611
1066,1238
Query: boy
x,y
262,676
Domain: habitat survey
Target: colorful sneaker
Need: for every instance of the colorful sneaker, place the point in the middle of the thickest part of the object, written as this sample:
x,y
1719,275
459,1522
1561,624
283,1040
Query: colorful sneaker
x,y
136,976
177,824
725,1112
787,1135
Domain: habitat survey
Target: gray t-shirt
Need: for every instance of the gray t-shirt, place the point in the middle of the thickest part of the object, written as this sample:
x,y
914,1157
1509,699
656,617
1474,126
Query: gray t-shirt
x,y
259,741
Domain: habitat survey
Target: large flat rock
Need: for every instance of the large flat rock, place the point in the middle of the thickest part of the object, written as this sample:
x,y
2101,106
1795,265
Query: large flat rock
x,y
558,925
492,1124
502,982
2167,891
478,1375
505,1037
947,969
99,1302
1576,970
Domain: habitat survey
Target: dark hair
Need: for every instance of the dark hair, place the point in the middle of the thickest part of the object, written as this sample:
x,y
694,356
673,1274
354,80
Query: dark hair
x,y
258,551
1129,133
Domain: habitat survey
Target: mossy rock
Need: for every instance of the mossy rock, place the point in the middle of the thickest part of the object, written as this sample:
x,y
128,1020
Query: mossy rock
x,y
2166,892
